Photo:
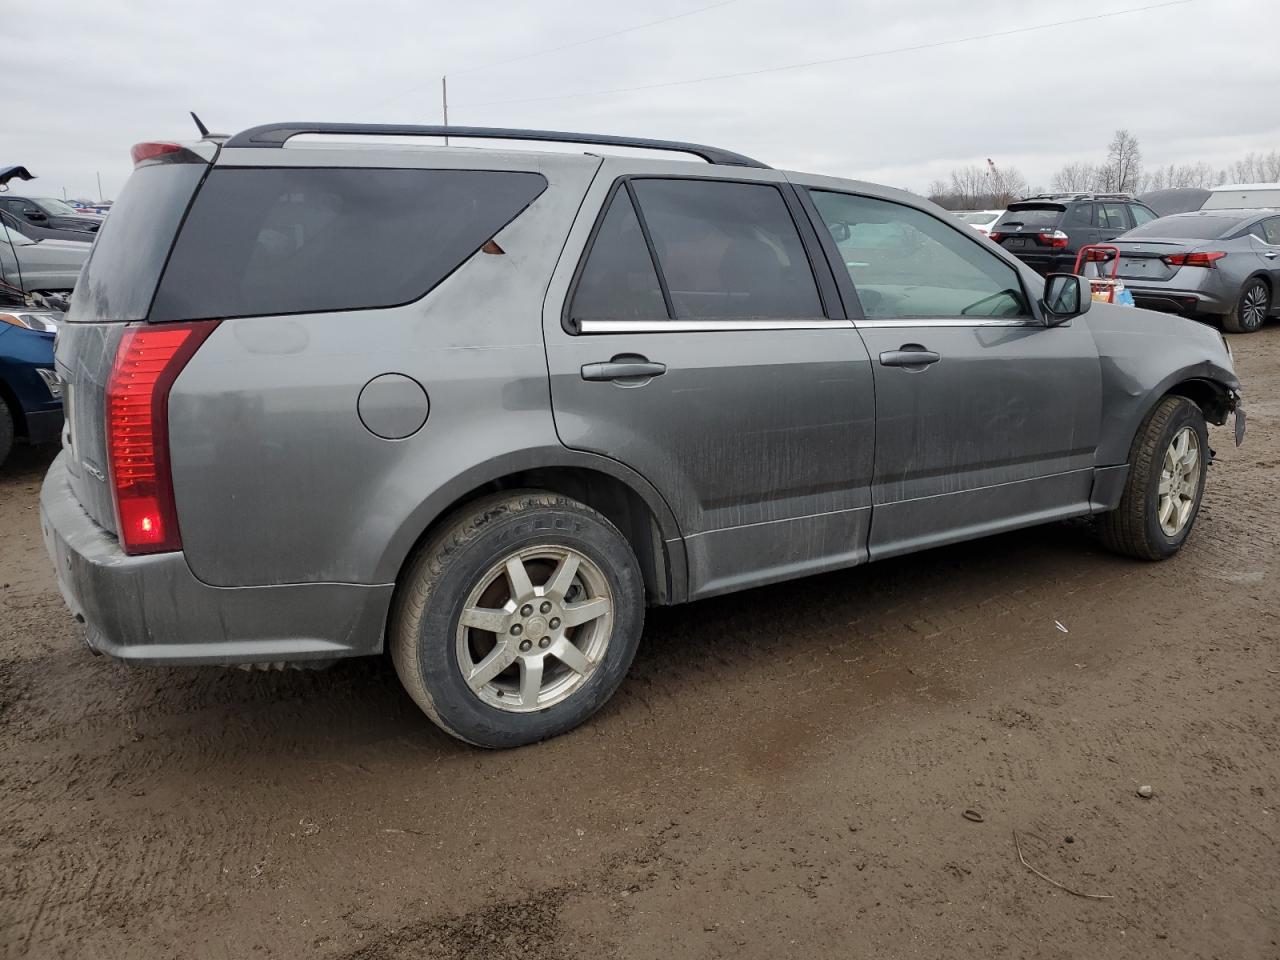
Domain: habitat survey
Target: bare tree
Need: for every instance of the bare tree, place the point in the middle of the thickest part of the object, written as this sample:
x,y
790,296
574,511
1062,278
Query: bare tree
x,y
1122,173
1255,168
1076,177
1180,175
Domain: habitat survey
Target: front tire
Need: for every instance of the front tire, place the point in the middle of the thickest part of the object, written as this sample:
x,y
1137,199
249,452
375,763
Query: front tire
x,y
1251,309
518,620
1162,492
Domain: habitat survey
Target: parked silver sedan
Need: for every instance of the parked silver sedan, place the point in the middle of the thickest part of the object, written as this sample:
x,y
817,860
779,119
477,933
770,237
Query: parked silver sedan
x,y
1222,265
35,265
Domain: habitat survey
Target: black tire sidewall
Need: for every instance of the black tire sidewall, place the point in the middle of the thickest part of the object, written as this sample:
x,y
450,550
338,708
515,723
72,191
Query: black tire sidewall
x,y
459,708
1187,414
6,431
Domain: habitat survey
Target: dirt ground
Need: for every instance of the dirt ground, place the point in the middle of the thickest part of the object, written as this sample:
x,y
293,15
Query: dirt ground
x,y
784,773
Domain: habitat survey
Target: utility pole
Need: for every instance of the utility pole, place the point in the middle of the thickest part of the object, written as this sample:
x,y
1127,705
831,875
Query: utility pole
x,y
444,102
100,196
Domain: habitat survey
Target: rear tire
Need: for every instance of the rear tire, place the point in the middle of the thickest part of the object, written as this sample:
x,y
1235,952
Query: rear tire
x,y
1251,309
6,431
1163,489
518,620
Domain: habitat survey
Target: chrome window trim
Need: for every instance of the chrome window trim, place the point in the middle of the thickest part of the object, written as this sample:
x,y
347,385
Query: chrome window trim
x,y
951,322
706,326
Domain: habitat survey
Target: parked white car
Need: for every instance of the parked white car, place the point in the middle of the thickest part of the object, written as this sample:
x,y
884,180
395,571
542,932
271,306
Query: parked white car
x,y
980,220
1243,196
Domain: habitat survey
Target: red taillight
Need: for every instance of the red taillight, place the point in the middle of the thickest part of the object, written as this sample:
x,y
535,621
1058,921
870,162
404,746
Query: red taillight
x,y
995,235
1055,239
147,362
1194,259
149,151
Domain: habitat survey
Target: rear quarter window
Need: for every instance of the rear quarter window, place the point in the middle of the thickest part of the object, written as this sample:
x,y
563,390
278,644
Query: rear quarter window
x,y
304,240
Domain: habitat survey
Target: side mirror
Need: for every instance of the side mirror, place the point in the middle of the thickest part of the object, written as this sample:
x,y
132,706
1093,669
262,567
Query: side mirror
x,y
839,231
1066,296
35,216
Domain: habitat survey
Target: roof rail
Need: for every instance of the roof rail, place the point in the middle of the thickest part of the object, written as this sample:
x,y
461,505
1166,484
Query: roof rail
x,y
1080,196
277,134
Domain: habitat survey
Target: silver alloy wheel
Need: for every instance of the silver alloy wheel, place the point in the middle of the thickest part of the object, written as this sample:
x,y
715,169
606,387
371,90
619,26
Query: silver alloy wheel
x,y
524,645
1179,481
1253,309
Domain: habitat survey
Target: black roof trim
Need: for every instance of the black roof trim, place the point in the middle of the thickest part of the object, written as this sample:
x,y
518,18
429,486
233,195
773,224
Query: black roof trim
x,y
277,134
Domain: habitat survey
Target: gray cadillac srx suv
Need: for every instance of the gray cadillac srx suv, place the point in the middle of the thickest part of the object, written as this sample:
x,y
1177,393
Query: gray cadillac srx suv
x,y
481,407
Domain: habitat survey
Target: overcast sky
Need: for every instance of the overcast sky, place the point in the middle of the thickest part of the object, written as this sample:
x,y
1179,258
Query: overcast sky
x,y
1194,81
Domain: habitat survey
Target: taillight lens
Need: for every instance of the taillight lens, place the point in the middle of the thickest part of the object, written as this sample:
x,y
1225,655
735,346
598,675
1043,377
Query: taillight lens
x,y
149,151
1194,259
1053,238
147,362
996,235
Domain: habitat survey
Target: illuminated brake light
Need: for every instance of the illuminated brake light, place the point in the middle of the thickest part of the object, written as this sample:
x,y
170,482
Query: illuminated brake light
x,y
149,151
147,362
1207,259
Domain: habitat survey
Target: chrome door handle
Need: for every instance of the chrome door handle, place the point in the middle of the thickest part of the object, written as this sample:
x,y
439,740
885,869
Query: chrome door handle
x,y
911,355
1270,256
623,368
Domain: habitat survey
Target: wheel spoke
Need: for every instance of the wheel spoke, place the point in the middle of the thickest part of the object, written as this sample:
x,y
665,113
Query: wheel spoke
x,y
1166,511
562,579
588,610
499,658
1190,459
484,618
571,656
518,578
1180,446
1166,485
530,680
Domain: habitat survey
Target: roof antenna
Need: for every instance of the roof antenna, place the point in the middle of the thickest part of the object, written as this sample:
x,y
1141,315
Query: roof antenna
x,y
204,131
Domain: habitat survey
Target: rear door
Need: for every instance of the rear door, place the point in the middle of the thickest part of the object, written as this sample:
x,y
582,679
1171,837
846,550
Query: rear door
x,y
1113,220
690,337
986,419
1270,251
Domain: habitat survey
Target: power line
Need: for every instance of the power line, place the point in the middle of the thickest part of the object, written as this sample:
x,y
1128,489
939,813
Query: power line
x,y
818,63
563,46
603,36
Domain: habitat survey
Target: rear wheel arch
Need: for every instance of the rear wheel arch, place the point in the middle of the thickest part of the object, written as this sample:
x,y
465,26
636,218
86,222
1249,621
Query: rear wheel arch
x,y
640,515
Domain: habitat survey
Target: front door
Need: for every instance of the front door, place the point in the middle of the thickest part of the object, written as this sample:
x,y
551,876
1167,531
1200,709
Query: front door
x,y
689,337
986,418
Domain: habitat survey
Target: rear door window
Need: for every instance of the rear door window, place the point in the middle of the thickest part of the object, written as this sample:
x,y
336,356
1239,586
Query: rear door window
x,y
1271,228
1080,215
261,241
905,263
618,279
727,250
1111,216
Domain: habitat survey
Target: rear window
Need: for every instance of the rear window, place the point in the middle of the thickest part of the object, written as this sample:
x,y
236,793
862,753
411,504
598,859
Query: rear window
x,y
1186,228
304,240
120,277
1033,217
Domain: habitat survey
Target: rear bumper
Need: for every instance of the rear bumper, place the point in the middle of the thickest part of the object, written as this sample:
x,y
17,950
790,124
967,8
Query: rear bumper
x,y
1187,303
152,609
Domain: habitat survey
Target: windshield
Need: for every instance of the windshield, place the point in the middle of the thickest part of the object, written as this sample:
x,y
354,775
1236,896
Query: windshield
x,y
56,207
1194,227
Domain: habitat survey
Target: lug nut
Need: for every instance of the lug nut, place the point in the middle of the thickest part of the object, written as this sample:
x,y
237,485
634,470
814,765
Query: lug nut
x,y
555,623
526,645
516,629
545,607
526,610
544,642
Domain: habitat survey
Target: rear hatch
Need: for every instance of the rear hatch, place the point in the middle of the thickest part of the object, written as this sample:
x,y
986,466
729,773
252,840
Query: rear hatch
x,y
1018,228
116,289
